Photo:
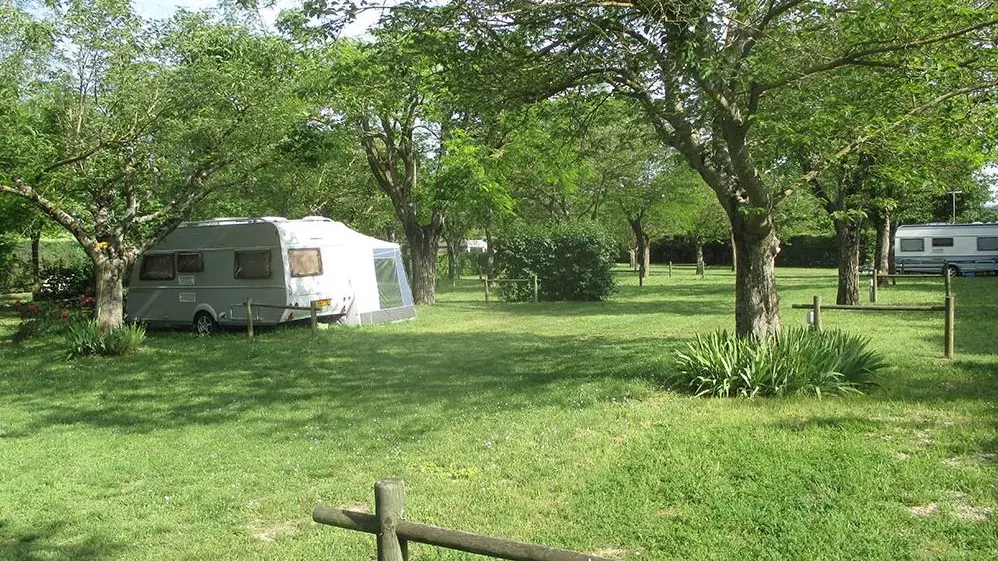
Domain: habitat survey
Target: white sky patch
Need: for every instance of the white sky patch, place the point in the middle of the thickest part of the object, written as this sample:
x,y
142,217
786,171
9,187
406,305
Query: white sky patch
x,y
160,9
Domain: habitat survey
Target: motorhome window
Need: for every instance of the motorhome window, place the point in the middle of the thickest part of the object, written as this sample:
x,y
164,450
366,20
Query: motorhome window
x,y
912,244
305,262
987,244
190,263
157,267
254,264
942,242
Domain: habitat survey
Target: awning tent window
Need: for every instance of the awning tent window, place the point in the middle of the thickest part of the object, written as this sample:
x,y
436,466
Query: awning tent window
x,y
389,289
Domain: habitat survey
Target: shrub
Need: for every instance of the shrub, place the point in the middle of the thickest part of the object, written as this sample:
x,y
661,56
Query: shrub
x,y
86,339
572,262
37,319
798,362
64,282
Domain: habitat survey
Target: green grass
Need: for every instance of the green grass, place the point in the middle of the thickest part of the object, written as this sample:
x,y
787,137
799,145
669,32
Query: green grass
x,y
541,423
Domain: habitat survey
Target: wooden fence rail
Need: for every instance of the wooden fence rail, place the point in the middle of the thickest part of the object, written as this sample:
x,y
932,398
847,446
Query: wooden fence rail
x,y
394,532
948,307
488,281
312,310
875,284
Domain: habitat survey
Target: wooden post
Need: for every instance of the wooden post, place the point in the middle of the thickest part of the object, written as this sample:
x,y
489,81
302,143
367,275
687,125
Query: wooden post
x,y
535,289
249,318
873,289
389,507
947,280
670,269
486,289
314,317
817,313
949,326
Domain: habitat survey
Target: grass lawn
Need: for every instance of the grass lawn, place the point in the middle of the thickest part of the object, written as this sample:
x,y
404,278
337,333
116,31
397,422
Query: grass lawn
x,y
542,423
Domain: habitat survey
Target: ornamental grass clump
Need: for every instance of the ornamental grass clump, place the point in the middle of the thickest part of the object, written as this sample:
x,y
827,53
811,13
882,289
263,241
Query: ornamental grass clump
x,y
797,362
85,338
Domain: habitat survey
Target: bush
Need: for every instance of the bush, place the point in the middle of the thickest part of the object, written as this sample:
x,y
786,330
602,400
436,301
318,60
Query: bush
x,y
572,262
798,362
64,282
37,319
86,339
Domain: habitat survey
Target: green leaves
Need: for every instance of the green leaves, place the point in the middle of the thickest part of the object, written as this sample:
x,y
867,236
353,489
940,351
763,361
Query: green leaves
x,y
798,362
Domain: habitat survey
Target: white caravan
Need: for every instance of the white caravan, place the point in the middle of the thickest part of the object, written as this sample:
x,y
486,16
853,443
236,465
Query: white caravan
x,y
964,248
202,273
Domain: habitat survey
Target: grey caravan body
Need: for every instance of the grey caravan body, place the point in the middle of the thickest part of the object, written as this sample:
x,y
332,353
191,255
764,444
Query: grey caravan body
x,y
202,273
965,248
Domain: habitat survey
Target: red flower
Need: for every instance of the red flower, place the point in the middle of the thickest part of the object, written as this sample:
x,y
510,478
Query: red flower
x,y
32,308
65,315
17,303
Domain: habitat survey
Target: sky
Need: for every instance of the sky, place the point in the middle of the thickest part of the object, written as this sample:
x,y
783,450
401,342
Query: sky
x,y
158,9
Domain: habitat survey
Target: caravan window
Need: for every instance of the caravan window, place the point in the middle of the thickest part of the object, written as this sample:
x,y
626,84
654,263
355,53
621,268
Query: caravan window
x,y
305,262
157,267
912,244
987,244
254,264
942,242
190,263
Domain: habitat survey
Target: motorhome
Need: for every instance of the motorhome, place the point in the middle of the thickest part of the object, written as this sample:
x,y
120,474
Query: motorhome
x,y
202,274
963,248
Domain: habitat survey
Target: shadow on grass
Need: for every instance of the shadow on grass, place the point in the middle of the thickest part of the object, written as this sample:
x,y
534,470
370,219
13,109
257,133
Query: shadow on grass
x,y
382,383
43,544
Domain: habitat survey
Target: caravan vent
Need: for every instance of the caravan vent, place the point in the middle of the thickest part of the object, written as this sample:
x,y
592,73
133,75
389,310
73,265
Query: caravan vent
x,y
316,219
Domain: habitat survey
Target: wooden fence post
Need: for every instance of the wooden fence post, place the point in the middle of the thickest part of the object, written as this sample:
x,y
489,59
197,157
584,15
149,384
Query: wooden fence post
x,y
873,289
949,326
249,318
670,269
389,507
535,289
314,317
817,313
948,281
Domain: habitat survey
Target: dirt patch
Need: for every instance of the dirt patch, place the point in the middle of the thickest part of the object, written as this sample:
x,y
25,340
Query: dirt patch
x,y
610,553
924,511
355,506
965,510
272,531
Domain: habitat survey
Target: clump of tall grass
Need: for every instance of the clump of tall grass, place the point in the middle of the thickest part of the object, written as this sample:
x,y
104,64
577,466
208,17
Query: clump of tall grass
x,y
797,362
85,338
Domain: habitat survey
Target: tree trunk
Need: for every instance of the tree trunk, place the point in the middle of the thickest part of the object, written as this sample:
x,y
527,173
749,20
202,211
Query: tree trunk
x,y
847,235
891,258
757,304
490,250
452,254
632,256
698,245
882,264
36,259
646,257
423,254
734,254
643,251
110,309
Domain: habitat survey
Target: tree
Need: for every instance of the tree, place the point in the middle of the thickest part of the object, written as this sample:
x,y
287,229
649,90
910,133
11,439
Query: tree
x,y
140,123
703,73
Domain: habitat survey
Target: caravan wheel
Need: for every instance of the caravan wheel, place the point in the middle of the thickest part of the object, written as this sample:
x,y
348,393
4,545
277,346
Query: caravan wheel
x,y
954,271
204,324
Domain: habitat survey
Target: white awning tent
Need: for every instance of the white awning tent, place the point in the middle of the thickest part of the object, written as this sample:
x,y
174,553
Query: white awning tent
x,y
373,268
